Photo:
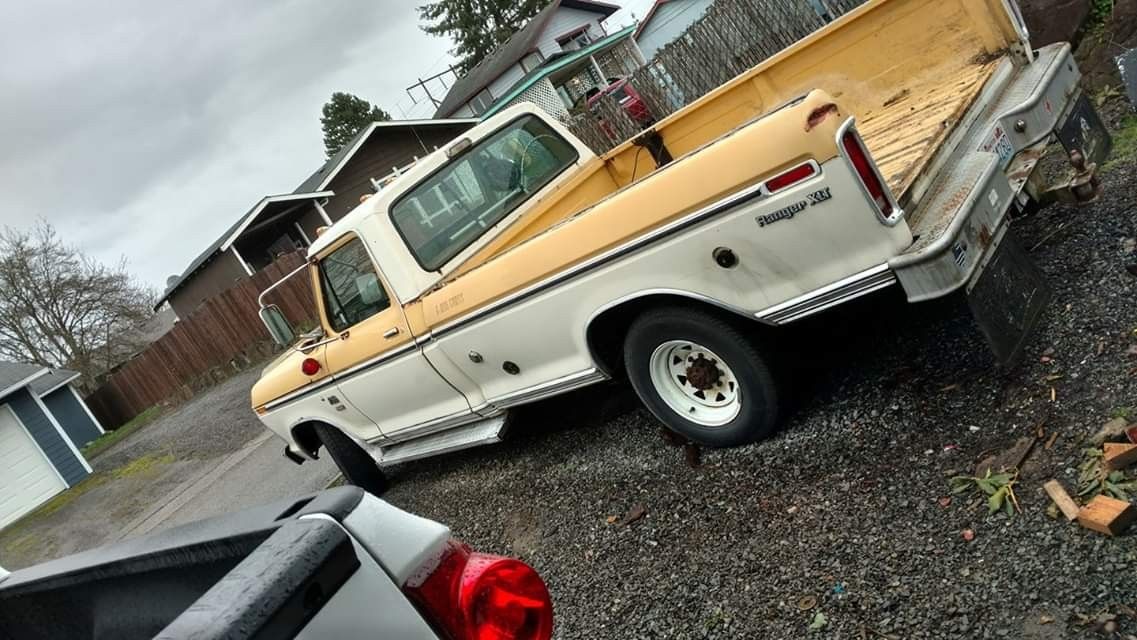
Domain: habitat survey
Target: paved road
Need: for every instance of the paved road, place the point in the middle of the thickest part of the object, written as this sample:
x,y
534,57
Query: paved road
x,y
256,475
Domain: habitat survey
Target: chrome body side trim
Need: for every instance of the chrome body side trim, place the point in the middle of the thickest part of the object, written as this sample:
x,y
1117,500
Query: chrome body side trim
x,y
550,388
378,360
299,393
433,426
818,300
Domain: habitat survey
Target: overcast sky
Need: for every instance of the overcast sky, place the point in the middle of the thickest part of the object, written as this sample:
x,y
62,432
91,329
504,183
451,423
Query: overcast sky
x,y
144,129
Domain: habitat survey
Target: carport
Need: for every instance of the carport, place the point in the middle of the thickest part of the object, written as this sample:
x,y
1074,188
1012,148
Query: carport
x,y
43,422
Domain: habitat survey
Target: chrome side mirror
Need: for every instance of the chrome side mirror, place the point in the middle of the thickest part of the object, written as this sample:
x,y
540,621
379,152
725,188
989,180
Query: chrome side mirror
x,y
278,326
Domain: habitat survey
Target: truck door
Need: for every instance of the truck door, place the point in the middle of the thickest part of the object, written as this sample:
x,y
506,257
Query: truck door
x,y
377,365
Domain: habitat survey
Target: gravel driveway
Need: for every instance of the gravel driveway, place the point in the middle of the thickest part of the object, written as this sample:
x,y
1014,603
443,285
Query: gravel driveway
x,y
840,513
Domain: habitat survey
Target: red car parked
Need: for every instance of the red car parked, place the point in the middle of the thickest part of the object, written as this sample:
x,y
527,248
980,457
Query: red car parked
x,y
627,97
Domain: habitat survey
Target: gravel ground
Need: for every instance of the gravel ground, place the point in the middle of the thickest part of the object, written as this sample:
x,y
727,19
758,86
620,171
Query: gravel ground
x,y
843,505
215,423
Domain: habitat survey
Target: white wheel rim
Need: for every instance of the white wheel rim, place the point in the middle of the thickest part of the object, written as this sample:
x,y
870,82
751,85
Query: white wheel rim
x,y
695,383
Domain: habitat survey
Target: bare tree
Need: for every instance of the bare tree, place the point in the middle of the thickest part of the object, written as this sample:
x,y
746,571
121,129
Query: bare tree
x,y
61,308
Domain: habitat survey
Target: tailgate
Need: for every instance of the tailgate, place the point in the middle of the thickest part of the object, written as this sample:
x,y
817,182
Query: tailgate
x,y
963,209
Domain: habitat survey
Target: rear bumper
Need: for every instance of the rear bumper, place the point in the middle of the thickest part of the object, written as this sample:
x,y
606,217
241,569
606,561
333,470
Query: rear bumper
x,y
987,171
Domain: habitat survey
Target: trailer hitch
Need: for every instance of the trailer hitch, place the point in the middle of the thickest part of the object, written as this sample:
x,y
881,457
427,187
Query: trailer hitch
x,y
1084,187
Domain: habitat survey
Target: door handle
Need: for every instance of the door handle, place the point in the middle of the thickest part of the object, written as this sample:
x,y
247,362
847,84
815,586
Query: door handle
x,y
391,333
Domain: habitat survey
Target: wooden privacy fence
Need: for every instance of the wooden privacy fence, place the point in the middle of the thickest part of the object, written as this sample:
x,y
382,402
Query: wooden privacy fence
x,y
223,334
731,37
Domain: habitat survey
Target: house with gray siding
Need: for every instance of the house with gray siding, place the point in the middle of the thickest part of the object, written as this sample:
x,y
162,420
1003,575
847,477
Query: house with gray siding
x,y
564,26
666,21
43,424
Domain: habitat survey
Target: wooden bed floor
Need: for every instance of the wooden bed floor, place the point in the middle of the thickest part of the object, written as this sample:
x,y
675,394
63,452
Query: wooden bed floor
x,y
905,132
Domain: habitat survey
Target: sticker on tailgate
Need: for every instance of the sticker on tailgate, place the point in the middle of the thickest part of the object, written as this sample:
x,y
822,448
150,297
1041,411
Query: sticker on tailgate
x,y
1000,143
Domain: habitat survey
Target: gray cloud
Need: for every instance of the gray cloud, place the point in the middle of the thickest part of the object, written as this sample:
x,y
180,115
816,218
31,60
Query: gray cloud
x,y
145,128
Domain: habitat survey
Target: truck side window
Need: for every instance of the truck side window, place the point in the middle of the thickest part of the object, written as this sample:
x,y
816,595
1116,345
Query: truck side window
x,y
351,287
451,209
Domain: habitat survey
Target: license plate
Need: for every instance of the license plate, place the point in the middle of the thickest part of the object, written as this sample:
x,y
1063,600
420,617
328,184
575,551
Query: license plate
x,y
1007,299
1084,131
999,143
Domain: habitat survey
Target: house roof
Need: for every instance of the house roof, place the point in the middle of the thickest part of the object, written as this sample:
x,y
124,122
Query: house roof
x,y
17,375
266,208
509,53
323,176
313,188
648,16
551,66
223,243
52,380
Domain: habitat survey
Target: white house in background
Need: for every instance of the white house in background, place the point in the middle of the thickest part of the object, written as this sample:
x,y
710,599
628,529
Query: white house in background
x,y
666,21
563,26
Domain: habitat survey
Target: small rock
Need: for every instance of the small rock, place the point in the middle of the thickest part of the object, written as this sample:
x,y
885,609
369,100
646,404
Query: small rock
x,y
968,535
1113,429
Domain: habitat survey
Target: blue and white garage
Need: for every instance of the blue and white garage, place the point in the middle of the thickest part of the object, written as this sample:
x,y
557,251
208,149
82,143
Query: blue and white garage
x,y
43,422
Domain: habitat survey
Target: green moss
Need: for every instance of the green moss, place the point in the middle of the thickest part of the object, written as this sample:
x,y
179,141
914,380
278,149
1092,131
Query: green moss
x,y
146,465
1124,142
108,439
1122,412
20,545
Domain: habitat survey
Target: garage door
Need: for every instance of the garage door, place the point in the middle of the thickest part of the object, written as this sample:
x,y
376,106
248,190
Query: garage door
x,y
26,477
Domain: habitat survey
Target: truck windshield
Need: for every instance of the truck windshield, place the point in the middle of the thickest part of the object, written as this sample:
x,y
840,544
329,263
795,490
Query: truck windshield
x,y
449,211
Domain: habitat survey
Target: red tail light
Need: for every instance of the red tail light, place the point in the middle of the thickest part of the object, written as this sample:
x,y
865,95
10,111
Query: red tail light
x,y
855,151
474,596
791,177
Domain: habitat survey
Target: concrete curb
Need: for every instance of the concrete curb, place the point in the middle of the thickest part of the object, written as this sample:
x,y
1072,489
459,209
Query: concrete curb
x,y
337,478
190,490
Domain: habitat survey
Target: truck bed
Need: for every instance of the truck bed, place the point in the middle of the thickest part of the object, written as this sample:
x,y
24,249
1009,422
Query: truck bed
x,y
905,132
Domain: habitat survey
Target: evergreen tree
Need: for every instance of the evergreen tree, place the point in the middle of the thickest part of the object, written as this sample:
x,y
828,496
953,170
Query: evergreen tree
x,y
477,27
344,116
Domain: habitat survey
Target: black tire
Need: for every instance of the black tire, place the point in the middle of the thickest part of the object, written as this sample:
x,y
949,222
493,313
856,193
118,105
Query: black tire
x,y
757,411
357,467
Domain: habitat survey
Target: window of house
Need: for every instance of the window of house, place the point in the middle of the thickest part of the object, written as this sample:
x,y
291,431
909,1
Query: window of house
x,y
532,61
450,210
481,102
350,285
575,40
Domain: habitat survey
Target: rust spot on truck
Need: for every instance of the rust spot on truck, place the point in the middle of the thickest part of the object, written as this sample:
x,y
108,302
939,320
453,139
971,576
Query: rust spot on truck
x,y
820,114
984,236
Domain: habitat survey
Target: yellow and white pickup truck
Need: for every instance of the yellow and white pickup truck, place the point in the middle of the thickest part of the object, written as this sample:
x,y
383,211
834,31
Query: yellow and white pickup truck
x,y
889,148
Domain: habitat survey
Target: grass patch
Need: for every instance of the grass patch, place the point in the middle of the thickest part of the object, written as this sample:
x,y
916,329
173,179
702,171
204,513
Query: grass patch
x,y
21,545
1100,13
108,439
1124,142
1124,413
144,465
